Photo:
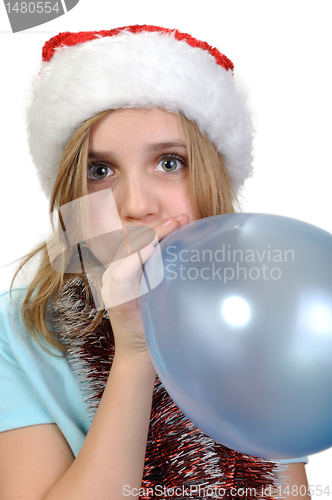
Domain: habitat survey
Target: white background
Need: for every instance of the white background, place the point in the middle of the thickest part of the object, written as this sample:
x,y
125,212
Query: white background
x,y
282,53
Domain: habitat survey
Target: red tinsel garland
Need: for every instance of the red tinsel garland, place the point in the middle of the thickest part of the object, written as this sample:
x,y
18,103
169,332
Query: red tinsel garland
x,y
181,461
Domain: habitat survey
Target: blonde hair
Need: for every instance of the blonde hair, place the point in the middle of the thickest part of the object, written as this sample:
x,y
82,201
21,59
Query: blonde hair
x,y
211,194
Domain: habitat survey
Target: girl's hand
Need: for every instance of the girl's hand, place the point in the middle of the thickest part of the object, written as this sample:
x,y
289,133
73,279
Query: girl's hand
x,y
121,284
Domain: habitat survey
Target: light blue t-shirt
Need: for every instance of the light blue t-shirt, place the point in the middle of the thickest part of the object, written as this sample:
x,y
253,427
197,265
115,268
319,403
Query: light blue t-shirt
x,y
35,386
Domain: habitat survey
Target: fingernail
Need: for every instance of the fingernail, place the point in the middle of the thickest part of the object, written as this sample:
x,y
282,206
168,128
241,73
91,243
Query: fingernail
x,y
167,222
148,248
179,217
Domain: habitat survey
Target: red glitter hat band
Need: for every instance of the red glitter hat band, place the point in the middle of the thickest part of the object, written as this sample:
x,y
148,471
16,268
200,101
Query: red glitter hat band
x,y
70,39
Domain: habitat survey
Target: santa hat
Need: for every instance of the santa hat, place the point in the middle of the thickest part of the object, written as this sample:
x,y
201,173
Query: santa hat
x,y
85,73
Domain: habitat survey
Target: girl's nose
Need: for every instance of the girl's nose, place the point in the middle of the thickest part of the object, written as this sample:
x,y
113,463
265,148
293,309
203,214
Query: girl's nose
x,y
136,199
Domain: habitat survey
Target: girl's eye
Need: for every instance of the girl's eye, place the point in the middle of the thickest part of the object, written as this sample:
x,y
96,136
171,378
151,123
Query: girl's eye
x,y
99,171
171,164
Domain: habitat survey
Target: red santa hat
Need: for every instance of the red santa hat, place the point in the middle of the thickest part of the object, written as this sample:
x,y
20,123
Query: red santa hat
x,y
85,73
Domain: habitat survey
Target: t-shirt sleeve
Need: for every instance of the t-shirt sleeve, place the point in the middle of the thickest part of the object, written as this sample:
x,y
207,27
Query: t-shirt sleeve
x,y
303,460
19,404
37,386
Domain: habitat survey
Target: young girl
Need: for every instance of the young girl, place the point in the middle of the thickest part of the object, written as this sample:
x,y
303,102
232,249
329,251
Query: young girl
x,y
147,126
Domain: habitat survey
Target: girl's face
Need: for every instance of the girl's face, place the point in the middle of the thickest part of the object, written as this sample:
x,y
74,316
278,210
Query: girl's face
x,y
141,154
140,157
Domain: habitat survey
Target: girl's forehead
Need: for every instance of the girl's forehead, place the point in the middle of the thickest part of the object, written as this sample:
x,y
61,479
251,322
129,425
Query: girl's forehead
x,y
141,124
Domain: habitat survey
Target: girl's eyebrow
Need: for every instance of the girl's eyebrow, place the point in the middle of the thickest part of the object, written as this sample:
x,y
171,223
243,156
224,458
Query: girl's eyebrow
x,y
97,155
159,146
151,148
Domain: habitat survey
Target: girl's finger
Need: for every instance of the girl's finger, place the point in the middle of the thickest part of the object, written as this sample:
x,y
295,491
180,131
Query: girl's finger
x,y
166,226
134,238
122,278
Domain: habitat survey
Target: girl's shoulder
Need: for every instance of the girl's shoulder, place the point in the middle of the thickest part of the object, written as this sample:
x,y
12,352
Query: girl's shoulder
x,y
11,301
11,298
10,311
14,337
16,341
37,385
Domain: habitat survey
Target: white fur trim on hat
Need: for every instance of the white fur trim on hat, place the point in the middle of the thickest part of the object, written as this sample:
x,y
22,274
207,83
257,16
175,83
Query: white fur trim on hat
x,y
136,69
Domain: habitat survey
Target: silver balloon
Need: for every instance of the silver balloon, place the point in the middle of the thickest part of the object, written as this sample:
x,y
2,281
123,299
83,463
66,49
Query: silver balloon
x,y
240,331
